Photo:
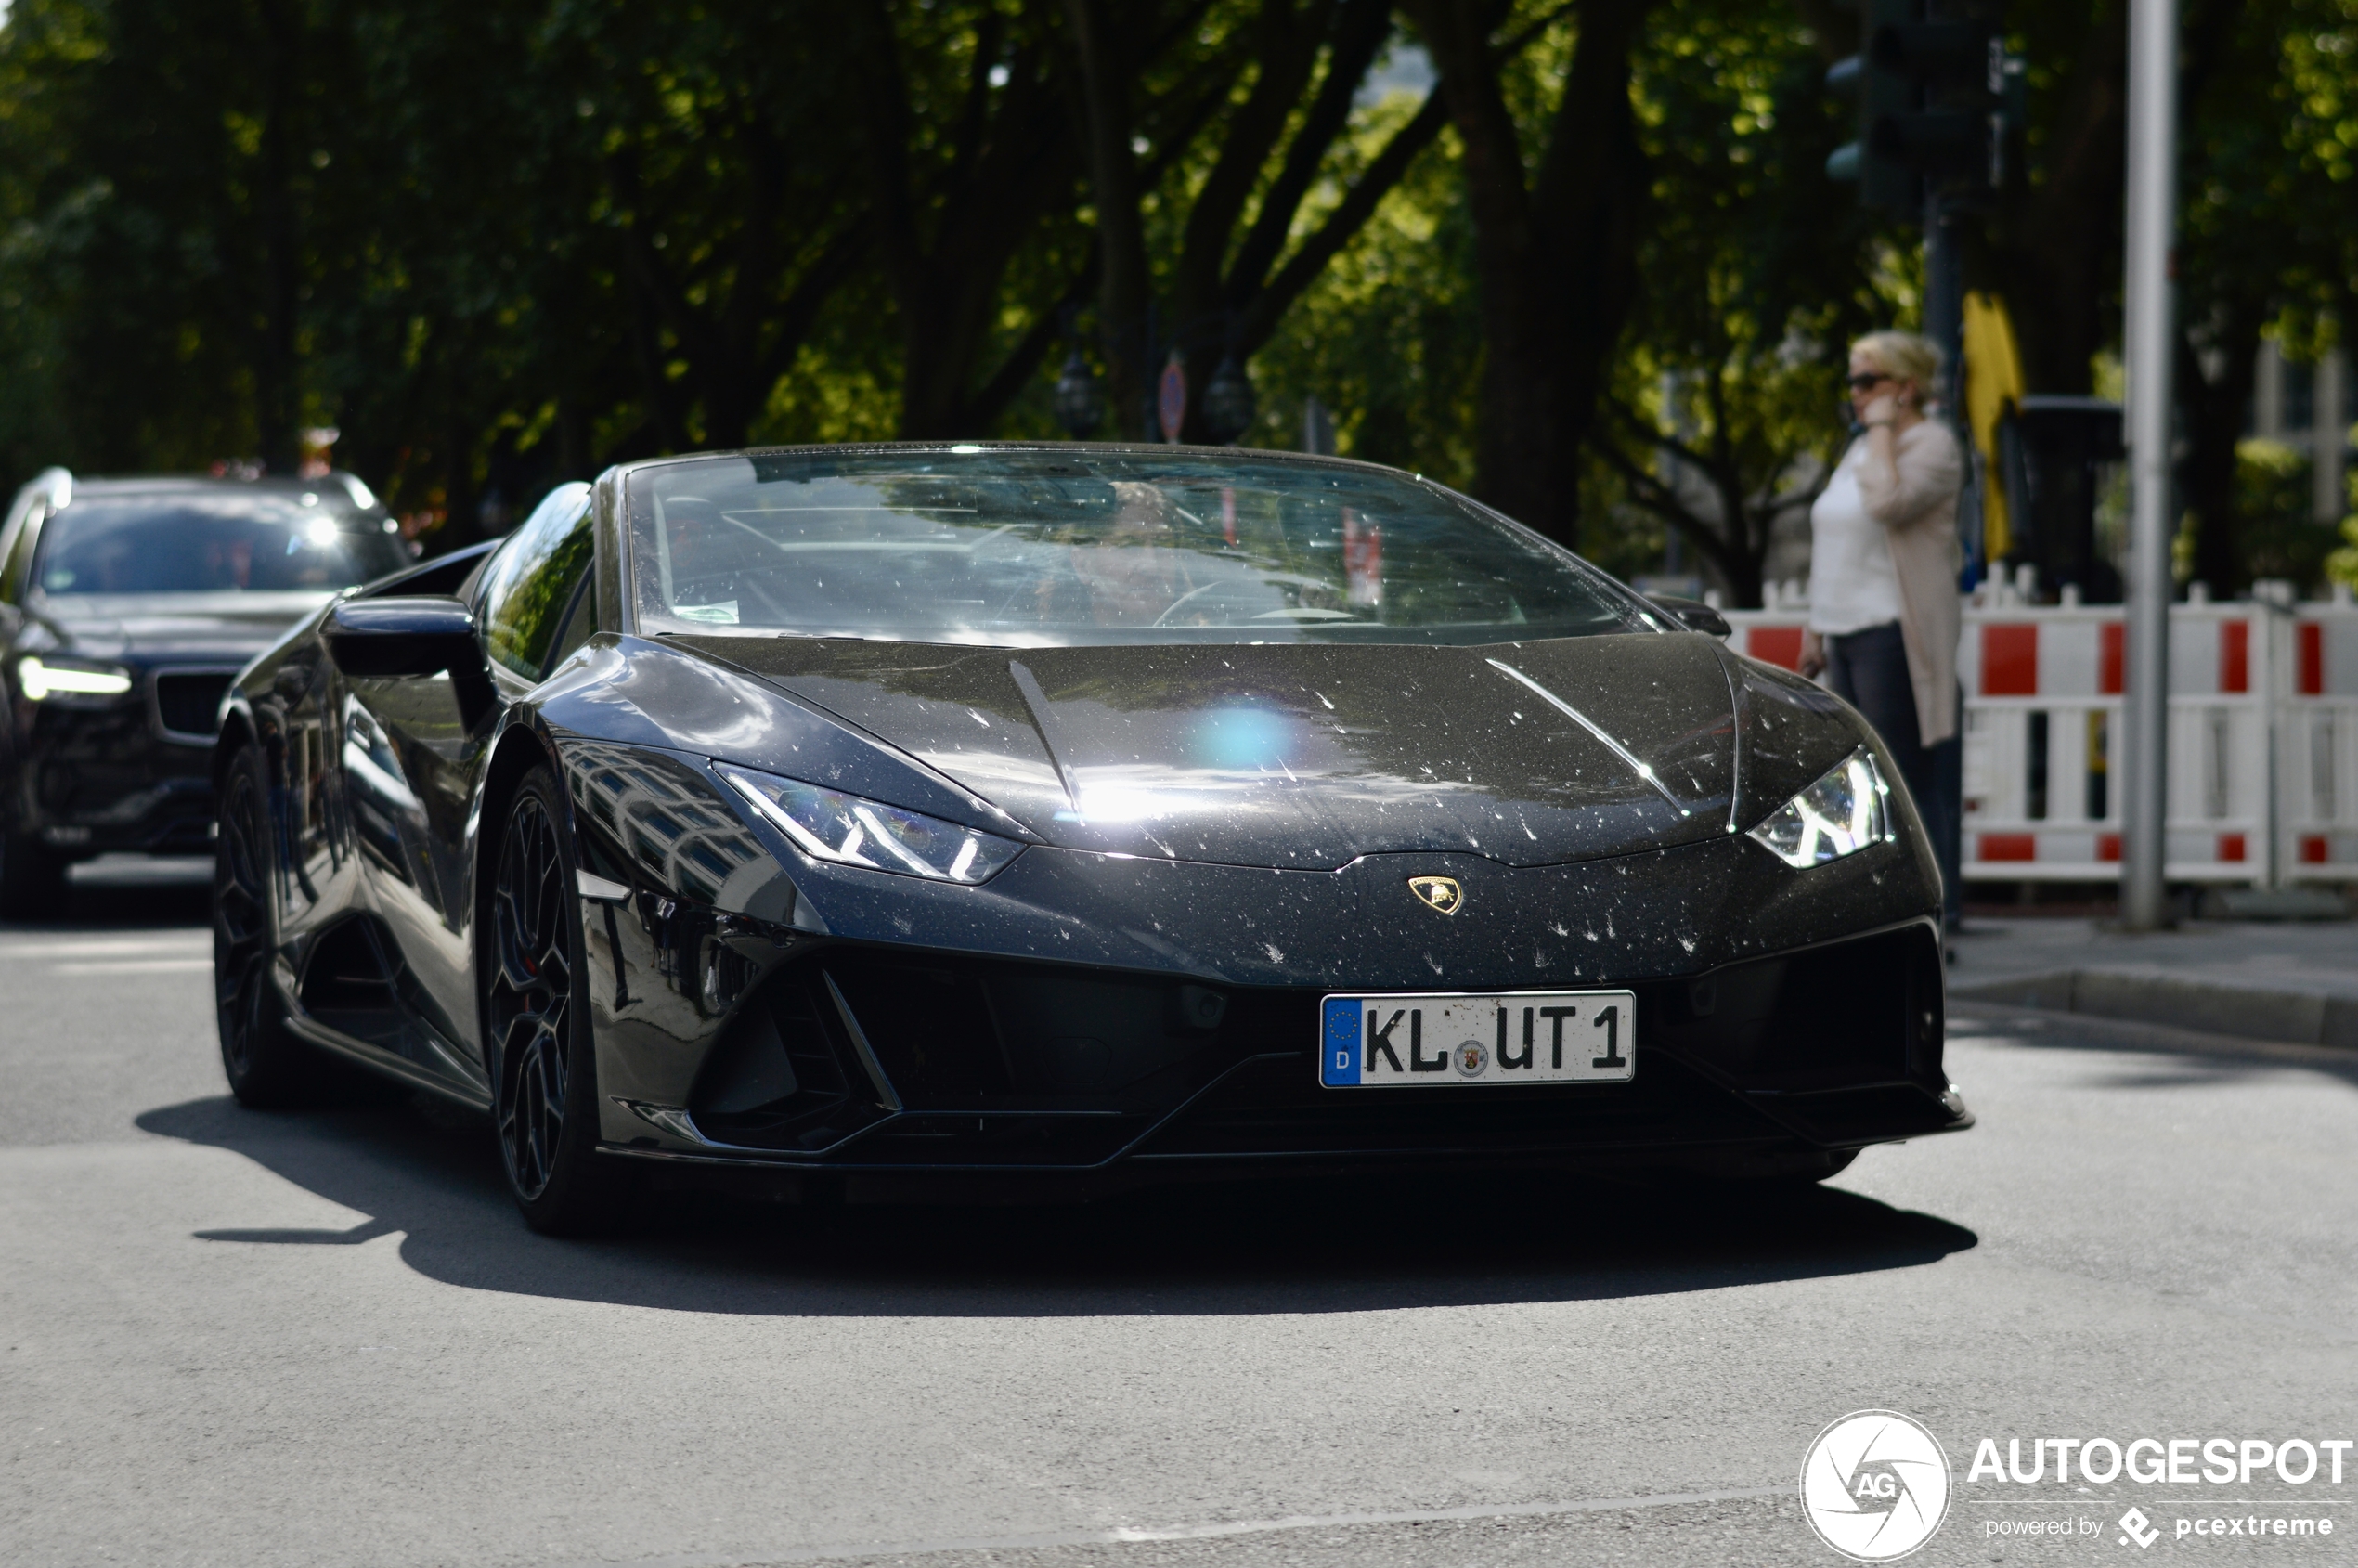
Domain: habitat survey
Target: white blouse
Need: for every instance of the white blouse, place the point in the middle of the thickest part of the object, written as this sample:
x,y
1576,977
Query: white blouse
x,y
1852,582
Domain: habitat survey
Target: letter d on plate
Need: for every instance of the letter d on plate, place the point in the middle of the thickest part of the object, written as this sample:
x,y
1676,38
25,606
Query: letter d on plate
x,y
1339,1028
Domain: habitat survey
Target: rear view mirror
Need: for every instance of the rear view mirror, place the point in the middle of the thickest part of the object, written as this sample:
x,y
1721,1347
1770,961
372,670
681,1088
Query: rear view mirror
x,y
425,634
1693,615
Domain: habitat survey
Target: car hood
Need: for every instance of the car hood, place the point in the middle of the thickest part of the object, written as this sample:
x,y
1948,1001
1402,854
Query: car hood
x,y
1305,756
229,627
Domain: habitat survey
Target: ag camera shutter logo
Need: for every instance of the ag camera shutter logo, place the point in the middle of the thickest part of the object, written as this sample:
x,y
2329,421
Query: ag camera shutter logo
x,y
1874,1485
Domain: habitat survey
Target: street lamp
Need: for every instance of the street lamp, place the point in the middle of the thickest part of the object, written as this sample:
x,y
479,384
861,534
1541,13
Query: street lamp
x,y
1079,408
1227,402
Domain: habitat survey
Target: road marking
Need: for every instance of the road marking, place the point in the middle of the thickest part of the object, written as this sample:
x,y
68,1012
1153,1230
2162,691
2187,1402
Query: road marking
x,y
1120,1536
136,966
107,947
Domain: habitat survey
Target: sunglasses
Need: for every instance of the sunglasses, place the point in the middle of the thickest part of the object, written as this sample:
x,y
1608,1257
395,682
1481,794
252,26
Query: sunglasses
x,y
1862,382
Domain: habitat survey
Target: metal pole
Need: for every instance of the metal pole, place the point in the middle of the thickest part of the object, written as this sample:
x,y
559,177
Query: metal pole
x,y
1945,324
2153,199
1944,300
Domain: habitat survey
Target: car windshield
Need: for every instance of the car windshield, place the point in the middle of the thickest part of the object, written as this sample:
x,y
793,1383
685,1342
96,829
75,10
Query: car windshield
x,y
1030,546
211,544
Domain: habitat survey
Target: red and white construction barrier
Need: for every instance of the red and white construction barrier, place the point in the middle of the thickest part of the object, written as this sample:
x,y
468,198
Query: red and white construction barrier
x,y
2263,737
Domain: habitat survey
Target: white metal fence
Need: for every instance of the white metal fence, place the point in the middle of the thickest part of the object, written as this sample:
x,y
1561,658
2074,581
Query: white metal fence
x,y
2263,737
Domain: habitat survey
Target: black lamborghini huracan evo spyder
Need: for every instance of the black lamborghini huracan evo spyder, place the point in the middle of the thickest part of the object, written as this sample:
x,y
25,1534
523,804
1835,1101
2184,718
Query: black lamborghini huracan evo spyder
x,y
871,818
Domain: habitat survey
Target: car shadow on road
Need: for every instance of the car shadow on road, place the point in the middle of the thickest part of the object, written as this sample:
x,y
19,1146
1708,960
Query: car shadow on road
x,y
1298,1246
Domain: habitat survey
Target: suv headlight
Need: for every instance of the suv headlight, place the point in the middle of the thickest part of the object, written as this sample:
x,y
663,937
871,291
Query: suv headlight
x,y
1841,814
38,678
828,824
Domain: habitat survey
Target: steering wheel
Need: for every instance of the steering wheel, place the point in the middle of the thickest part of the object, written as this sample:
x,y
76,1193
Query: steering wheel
x,y
1225,584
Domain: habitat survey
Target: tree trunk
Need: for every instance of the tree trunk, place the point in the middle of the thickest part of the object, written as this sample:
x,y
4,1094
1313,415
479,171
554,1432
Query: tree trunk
x,y
2058,242
1124,286
278,394
1556,267
2212,412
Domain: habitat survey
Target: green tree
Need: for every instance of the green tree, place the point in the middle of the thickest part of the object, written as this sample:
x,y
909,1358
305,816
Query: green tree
x,y
1556,181
1759,271
1221,138
161,163
1389,337
2268,238
972,188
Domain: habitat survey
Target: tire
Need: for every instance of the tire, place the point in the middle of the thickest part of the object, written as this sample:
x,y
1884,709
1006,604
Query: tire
x,y
544,1069
33,879
266,1065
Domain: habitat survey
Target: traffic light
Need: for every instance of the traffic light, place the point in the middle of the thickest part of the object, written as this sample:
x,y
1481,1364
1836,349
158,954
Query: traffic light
x,y
1936,93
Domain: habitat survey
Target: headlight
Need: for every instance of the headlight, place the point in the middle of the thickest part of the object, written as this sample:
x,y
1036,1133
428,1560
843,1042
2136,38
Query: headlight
x,y
1841,814
828,824
38,678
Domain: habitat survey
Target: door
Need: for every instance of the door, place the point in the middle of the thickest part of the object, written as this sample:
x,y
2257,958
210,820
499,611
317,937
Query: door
x,y
413,763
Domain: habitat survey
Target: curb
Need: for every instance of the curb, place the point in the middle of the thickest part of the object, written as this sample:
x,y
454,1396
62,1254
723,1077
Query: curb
x,y
2161,996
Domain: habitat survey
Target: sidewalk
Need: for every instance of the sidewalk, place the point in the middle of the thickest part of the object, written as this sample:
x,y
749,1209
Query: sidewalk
x,y
2293,981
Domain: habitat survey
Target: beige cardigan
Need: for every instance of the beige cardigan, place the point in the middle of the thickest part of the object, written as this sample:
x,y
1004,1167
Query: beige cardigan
x,y
1909,480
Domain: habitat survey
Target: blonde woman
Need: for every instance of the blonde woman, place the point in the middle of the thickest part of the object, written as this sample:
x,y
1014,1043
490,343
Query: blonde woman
x,y
1884,607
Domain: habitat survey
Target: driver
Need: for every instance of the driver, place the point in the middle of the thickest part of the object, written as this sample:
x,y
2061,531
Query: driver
x,y
1138,566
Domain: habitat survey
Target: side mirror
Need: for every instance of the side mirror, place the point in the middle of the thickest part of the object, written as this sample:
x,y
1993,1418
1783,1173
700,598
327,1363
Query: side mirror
x,y
1694,615
420,635
425,634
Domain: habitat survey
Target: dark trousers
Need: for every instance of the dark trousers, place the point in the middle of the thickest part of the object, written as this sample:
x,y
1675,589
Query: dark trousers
x,y
1869,671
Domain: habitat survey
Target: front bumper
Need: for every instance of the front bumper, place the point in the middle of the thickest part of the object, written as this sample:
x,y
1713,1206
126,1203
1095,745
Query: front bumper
x,y
860,1059
130,773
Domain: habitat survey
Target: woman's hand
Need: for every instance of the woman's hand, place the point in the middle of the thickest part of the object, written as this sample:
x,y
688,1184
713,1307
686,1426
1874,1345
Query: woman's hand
x,y
1813,656
1882,411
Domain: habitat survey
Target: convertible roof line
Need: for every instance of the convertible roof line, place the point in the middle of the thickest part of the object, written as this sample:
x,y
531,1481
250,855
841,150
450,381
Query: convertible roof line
x,y
1037,701
1588,725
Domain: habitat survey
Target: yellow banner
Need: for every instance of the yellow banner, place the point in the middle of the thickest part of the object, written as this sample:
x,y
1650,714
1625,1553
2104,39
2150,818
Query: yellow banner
x,y
1993,384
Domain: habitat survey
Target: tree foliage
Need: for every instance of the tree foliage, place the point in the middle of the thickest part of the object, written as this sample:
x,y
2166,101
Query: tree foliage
x,y
1594,272
1760,271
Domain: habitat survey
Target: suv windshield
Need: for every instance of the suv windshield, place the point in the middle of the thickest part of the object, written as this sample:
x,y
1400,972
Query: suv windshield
x,y
210,544
1043,547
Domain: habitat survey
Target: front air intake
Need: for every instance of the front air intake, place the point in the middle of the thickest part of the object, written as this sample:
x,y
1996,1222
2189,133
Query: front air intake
x,y
785,1076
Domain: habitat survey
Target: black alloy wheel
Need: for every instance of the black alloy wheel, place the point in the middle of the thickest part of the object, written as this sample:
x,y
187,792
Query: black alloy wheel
x,y
267,1067
547,1105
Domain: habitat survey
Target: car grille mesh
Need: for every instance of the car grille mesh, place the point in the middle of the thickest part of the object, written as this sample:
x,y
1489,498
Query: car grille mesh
x,y
185,702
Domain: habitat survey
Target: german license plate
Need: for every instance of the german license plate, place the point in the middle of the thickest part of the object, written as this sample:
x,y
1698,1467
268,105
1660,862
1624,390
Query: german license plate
x,y
1446,1039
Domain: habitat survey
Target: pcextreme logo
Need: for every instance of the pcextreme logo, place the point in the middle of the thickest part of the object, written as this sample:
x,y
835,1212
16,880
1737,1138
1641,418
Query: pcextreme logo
x,y
1874,1485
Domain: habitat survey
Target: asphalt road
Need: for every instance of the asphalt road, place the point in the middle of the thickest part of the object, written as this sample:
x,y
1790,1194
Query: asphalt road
x,y
252,1340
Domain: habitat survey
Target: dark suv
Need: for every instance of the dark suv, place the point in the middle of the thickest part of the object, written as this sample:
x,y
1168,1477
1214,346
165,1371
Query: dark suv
x,y
125,607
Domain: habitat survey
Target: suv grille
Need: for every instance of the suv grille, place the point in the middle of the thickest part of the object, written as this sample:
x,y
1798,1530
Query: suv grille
x,y
187,702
